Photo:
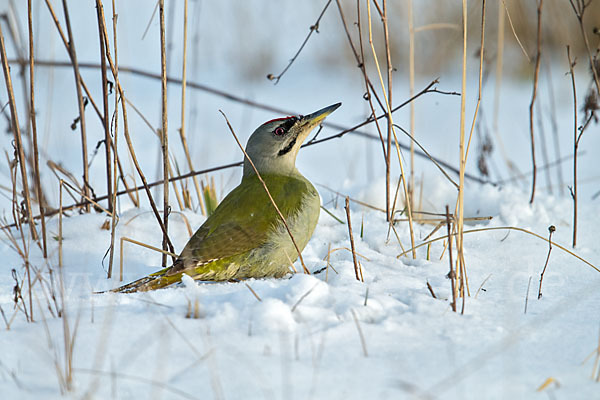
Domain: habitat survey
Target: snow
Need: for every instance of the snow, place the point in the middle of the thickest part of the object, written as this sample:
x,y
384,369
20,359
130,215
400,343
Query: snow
x,y
324,335
301,339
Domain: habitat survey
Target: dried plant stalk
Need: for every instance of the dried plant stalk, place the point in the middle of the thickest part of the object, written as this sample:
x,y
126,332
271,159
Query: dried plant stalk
x,y
73,57
351,238
182,129
461,189
164,132
17,135
36,158
534,95
389,116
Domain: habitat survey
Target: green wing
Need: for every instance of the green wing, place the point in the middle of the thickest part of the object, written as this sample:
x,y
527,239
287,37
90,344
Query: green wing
x,y
243,219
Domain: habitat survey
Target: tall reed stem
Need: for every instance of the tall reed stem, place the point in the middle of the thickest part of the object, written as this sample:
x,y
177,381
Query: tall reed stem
x,y
164,133
17,135
36,157
73,56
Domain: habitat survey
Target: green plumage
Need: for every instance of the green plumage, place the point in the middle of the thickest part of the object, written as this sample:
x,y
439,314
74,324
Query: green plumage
x,y
245,237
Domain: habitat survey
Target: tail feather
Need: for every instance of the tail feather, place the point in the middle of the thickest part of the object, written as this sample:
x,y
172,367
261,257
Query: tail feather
x,y
157,280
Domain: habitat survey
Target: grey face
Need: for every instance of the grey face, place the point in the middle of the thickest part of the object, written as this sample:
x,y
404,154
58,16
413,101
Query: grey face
x,y
283,134
274,145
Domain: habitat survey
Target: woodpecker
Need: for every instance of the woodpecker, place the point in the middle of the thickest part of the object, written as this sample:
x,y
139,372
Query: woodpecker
x,y
244,237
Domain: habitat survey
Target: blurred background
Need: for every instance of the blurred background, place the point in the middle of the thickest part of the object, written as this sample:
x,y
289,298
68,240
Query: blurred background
x,y
232,48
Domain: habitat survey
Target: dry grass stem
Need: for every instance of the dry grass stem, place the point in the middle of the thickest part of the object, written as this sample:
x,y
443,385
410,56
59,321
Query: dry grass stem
x,y
126,239
130,144
69,64
481,286
411,78
551,230
105,115
113,224
451,274
351,239
363,343
388,98
575,145
481,55
431,290
527,295
17,136
534,95
253,292
461,189
579,7
512,27
32,113
80,102
183,104
164,132
389,116
297,303
513,228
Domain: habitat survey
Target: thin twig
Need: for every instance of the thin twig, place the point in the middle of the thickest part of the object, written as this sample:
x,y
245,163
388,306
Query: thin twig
x,y
306,271
130,144
430,288
73,56
575,145
534,95
461,189
389,116
182,129
32,114
105,116
579,10
451,274
17,135
114,183
363,343
390,127
551,229
313,28
527,295
351,238
510,228
512,27
164,132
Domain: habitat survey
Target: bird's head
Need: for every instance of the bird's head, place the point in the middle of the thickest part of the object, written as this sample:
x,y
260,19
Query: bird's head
x,y
274,145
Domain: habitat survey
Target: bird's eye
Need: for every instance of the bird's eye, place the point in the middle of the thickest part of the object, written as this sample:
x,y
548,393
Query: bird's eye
x,y
279,131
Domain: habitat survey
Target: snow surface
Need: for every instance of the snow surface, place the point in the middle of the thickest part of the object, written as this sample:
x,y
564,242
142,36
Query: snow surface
x,y
303,338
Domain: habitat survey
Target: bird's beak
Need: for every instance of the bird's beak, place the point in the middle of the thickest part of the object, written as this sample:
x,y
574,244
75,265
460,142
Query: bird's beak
x,y
317,117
